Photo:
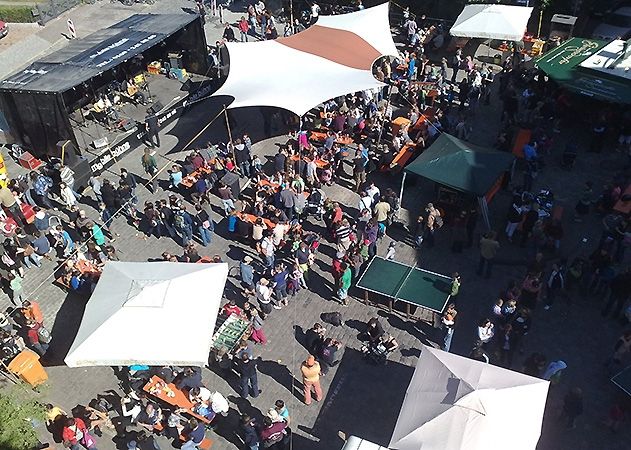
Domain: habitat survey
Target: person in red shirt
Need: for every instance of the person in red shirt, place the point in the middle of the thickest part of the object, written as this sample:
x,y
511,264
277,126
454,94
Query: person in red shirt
x,y
272,432
34,339
231,308
75,435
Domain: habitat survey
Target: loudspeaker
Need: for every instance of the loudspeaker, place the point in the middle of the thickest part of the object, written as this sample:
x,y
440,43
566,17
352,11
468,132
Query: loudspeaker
x,y
156,107
82,173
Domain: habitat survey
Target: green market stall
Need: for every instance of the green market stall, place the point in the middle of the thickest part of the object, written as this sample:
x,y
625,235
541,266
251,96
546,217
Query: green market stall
x,y
563,65
466,168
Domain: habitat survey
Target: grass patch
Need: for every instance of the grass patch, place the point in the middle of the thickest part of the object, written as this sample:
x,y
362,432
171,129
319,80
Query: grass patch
x,y
17,13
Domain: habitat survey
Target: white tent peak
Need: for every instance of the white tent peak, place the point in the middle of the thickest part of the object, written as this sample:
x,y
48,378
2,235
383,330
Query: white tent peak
x,y
142,313
456,403
334,57
492,21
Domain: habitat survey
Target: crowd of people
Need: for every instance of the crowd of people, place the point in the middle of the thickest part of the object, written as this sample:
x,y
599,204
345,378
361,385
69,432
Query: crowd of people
x,y
273,217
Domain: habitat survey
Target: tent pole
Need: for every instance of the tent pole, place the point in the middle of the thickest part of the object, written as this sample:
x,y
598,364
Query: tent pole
x,y
225,110
484,209
402,185
291,17
383,125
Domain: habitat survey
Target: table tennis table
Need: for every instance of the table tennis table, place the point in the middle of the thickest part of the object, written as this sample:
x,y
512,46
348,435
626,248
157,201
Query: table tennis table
x,y
623,380
410,284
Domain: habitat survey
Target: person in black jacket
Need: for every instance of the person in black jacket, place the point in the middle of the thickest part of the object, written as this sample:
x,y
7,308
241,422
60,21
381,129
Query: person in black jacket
x,y
374,331
243,157
314,338
190,378
250,436
249,376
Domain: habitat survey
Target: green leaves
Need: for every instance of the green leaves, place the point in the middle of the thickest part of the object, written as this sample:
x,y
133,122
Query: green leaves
x,y
19,411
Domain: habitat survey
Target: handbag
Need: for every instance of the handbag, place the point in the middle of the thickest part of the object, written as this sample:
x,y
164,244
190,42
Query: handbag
x,y
206,224
87,440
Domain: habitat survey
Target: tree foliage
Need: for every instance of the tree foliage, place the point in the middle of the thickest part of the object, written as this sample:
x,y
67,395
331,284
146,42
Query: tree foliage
x,y
18,411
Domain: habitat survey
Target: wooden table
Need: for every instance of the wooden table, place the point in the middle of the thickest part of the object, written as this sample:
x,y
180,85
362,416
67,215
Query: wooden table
x,y
400,123
251,218
276,187
318,136
522,138
321,163
404,155
180,400
190,180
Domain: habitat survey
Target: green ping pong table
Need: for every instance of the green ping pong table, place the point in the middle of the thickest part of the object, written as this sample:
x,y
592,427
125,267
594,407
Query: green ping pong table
x,y
623,380
410,284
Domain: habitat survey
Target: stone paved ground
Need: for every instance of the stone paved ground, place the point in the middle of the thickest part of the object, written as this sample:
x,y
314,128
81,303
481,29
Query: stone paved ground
x,y
362,399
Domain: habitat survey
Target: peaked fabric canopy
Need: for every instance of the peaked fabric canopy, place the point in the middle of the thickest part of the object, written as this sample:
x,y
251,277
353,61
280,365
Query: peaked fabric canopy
x,y
158,313
455,403
331,58
460,165
504,22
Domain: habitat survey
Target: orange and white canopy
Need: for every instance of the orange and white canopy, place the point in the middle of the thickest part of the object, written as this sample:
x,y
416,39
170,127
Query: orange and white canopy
x,y
331,58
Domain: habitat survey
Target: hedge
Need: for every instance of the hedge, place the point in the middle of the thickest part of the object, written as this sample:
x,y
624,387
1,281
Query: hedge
x,y
16,14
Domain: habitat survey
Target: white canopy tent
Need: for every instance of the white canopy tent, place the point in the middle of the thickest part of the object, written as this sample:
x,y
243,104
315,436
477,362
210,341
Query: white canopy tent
x,y
158,313
504,22
455,403
331,58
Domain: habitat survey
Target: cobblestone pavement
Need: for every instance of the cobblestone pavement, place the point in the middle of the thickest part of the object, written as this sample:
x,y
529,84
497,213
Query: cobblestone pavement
x,y
359,398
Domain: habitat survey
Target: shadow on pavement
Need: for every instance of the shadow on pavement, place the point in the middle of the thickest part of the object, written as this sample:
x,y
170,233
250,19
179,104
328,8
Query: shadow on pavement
x,y
357,384
65,328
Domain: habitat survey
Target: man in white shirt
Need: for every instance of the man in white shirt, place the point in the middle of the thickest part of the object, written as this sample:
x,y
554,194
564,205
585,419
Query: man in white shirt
x,y
365,202
264,295
267,248
315,12
373,192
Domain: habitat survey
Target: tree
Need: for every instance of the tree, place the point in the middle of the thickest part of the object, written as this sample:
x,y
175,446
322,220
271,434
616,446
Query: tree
x,y
18,410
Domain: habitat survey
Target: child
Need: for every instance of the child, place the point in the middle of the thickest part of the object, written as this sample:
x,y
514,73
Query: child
x,y
15,283
258,166
391,251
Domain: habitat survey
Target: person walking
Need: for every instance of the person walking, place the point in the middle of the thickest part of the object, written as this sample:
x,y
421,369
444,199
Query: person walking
x,y
345,283
448,321
249,376
489,247
244,27
151,168
310,370
250,436
152,127
205,225
433,222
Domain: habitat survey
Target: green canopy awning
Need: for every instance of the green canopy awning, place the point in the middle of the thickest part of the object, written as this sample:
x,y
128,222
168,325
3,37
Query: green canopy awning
x,y
562,65
460,165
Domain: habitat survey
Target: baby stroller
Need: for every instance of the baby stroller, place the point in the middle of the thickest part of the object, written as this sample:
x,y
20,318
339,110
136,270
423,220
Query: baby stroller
x,y
315,205
377,352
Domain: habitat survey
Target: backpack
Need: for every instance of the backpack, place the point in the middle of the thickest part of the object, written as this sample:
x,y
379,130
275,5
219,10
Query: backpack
x,y
333,318
43,335
178,221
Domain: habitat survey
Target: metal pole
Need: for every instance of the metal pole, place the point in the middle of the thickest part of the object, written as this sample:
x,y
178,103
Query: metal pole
x,y
225,110
401,191
385,113
291,16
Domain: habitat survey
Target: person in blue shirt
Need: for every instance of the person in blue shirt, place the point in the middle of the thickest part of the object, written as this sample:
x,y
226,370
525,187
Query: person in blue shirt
x,y
530,151
64,241
194,433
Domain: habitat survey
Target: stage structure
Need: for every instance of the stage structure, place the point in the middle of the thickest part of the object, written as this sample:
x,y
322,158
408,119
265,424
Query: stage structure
x,y
92,97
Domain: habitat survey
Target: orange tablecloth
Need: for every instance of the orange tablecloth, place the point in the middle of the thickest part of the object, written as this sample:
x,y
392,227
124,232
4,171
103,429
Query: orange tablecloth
x,y
190,180
622,206
321,163
319,137
403,156
251,218
522,138
399,123
180,399
86,267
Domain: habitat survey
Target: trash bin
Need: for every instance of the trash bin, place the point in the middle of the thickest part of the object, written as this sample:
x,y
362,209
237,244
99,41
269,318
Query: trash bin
x,y
26,365
231,179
